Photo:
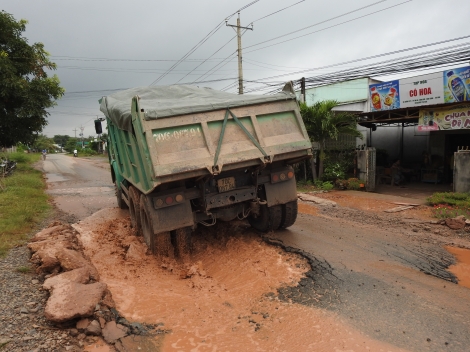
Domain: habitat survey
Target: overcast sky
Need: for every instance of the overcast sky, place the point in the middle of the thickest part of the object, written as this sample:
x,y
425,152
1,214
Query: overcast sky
x,y
101,46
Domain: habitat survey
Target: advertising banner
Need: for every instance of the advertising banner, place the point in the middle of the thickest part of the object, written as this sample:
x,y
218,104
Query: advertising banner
x,y
421,90
451,86
384,96
457,85
452,118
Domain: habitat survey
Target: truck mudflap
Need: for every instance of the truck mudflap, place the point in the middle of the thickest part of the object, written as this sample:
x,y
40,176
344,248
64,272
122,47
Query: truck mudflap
x,y
281,193
171,217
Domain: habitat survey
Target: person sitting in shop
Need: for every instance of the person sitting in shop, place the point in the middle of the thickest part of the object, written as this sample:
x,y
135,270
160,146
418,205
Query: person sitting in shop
x,y
398,173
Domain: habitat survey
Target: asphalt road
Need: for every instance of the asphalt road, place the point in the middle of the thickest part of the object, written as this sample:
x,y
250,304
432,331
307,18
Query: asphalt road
x,y
387,284
79,186
391,287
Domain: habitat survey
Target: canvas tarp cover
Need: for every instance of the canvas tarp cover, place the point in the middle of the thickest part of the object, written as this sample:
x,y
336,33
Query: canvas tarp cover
x,y
165,101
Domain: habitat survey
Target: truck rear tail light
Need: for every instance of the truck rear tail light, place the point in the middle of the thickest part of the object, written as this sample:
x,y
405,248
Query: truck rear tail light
x,y
283,177
290,174
179,198
169,200
274,178
159,202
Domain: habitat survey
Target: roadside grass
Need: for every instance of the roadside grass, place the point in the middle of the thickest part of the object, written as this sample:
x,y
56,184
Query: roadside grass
x,y
23,202
450,204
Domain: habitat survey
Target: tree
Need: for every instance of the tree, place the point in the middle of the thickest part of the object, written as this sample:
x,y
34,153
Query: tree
x,y
323,123
25,89
43,142
61,139
72,144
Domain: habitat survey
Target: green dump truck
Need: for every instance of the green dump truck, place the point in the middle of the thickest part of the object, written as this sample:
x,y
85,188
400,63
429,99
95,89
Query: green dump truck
x,y
183,155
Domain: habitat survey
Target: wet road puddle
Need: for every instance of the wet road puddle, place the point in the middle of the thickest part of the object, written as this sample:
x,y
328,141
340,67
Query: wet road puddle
x,y
462,268
223,299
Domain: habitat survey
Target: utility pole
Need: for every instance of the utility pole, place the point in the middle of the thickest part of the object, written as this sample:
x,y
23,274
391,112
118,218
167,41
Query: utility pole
x,y
81,134
75,130
303,98
239,38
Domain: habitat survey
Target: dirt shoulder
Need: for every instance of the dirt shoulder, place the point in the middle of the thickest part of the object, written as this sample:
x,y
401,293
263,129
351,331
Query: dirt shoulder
x,y
371,209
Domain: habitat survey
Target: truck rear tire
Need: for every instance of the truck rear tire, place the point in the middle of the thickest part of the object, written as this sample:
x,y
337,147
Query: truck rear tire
x,y
160,243
120,202
269,219
163,246
134,209
181,239
289,214
147,227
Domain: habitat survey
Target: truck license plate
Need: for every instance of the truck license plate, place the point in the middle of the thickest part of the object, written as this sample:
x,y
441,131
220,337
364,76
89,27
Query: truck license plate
x,y
226,184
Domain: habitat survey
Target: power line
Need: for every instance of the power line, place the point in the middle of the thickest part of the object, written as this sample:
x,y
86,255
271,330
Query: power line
x,y
323,29
215,69
371,57
417,62
245,30
192,50
223,46
100,69
285,8
201,42
79,58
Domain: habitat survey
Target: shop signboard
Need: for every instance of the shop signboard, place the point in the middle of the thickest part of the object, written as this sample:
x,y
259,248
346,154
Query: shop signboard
x,y
421,90
451,118
451,86
384,96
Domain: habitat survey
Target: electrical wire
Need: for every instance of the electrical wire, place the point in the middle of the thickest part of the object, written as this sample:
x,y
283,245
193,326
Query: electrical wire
x,y
285,8
372,57
417,62
223,46
201,42
215,69
317,24
78,58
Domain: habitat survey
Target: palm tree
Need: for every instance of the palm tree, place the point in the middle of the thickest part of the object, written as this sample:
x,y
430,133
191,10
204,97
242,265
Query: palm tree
x,y
323,123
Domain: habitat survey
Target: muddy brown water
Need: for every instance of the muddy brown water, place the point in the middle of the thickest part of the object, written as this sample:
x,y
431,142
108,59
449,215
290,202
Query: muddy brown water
x,y
462,268
223,299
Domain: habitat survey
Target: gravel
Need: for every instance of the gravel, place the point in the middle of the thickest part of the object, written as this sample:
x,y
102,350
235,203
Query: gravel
x,y
23,326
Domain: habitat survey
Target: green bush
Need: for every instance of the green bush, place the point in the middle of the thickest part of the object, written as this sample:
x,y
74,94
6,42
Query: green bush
x,y
334,171
354,184
86,152
19,157
327,186
338,164
450,204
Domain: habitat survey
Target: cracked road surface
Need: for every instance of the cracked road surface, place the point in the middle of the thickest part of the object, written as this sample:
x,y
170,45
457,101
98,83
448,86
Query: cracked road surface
x,y
393,289
79,187
361,286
